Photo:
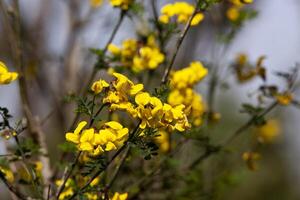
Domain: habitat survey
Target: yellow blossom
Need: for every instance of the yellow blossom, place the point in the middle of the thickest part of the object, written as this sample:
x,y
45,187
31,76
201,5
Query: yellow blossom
x,y
268,132
74,137
123,4
233,13
163,141
182,10
9,176
188,76
182,83
68,191
110,137
96,3
148,58
250,158
118,196
114,49
155,114
98,86
6,77
136,56
285,98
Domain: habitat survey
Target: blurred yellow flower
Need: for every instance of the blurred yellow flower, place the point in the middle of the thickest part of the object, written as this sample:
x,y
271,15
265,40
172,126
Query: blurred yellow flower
x,y
96,3
268,132
119,196
163,141
251,158
9,176
123,4
6,77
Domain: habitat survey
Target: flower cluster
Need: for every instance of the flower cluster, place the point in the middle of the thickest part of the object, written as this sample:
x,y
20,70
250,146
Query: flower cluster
x,y
136,55
182,11
110,137
125,95
234,11
6,77
182,83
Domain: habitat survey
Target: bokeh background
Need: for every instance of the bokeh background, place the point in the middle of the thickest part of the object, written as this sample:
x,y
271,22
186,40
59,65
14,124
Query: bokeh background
x,y
58,36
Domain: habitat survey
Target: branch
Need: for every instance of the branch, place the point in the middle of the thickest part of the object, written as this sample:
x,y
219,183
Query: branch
x,y
67,175
12,189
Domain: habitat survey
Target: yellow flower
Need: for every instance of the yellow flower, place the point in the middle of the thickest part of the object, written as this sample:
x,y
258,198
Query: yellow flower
x,y
86,140
285,98
182,10
233,13
163,141
6,77
250,158
155,114
114,49
118,196
268,132
68,191
148,58
96,3
91,196
123,4
123,89
98,86
9,176
197,19
74,137
188,76
182,83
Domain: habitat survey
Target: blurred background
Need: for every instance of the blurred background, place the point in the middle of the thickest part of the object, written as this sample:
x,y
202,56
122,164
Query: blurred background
x,y
59,33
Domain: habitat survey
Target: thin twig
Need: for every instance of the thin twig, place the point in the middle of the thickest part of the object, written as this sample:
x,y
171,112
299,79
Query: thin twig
x,y
118,168
67,175
12,189
236,133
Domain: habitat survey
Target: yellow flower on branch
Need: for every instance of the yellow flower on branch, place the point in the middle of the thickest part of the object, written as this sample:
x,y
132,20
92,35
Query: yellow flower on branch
x,y
163,141
123,4
9,176
110,137
182,10
188,76
138,55
119,196
6,77
268,132
99,85
284,98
